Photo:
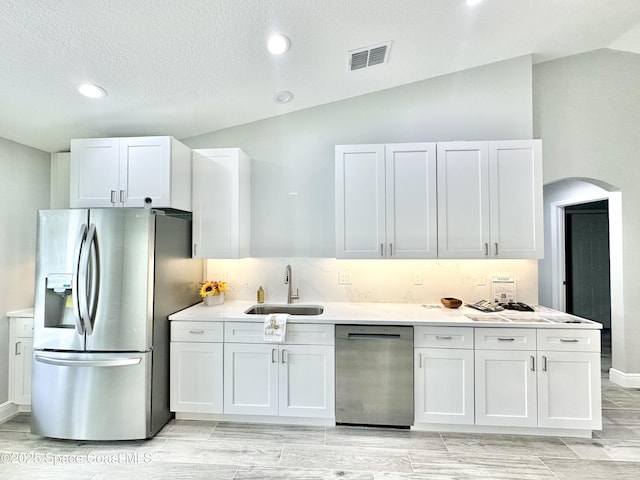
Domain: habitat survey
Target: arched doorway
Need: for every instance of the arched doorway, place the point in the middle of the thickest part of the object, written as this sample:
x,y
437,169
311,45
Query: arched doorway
x,y
559,197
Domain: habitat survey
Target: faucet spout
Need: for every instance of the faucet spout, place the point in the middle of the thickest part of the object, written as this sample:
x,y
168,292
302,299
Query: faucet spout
x,y
288,280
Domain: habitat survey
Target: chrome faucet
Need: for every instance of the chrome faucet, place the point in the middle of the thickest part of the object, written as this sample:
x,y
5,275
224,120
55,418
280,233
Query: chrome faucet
x,y
288,280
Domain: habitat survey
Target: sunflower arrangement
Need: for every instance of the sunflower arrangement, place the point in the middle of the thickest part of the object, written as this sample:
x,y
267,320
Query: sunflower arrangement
x,y
214,287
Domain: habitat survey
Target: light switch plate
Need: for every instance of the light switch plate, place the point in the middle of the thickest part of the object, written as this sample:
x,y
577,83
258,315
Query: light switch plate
x,y
417,278
344,278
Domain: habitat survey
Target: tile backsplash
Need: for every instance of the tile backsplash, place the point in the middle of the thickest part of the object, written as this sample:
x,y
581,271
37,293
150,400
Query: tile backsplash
x,y
393,281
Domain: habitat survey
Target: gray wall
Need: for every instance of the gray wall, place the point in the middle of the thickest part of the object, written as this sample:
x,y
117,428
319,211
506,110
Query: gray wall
x,y
586,110
24,173
294,153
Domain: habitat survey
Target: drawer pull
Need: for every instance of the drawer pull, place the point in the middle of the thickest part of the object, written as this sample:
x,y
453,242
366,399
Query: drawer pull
x,y
533,363
569,340
419,360
198,332
17,348
444,337
503,339
544,363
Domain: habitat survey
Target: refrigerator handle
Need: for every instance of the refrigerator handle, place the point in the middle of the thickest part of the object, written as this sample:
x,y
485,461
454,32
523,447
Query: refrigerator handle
x,y
111,362
83,280
75,299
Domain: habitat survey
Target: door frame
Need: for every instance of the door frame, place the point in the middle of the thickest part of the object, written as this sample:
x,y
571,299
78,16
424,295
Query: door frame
x,y
558,270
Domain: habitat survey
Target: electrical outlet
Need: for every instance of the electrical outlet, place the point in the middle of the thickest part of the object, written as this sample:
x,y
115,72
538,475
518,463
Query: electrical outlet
x,y
344,278
417,278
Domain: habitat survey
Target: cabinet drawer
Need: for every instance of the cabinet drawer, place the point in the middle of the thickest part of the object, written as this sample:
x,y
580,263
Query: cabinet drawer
x,y
569,340
297,333
443,337
505,339
197,331
24,327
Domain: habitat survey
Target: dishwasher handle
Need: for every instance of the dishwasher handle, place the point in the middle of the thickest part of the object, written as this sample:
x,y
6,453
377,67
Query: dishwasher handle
x,y
373,336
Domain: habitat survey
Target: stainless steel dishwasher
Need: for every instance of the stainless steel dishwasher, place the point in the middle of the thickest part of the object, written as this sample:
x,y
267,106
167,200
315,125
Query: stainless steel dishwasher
x,y
374,375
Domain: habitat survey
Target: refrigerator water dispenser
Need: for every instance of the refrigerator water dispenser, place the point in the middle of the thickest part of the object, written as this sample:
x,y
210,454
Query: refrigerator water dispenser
x,y
58,304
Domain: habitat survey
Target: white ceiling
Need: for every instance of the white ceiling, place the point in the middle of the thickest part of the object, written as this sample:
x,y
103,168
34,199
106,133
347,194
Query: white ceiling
x,y
186,67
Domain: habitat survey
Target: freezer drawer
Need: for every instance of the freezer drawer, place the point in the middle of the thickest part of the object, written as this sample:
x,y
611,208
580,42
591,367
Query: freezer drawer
x,y
81,396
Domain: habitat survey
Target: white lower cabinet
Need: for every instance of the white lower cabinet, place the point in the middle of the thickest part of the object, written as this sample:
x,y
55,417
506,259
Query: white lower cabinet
x,y
506,388
196,367
569,394
546,378
21,344
444,385
283,380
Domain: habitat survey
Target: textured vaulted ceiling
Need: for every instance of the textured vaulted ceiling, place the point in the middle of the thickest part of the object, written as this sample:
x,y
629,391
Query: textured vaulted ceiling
x,y
186,67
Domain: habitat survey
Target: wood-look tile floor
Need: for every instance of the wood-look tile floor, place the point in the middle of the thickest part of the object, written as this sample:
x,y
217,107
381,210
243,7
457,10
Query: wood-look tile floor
x,y
211,450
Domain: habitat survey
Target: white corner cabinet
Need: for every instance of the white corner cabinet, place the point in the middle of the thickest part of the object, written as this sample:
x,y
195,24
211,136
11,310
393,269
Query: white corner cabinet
x,y
490,199
124,172
20,353
386,201
445,200
221,203
196,371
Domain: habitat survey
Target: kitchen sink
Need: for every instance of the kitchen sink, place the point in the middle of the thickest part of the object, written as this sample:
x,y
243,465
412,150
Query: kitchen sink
x,y
285,308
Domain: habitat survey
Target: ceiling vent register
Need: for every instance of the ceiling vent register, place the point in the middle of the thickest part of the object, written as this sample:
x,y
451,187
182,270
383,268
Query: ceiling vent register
x,y
369,56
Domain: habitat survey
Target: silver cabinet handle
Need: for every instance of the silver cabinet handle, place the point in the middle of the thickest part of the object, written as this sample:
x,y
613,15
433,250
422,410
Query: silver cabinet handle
x,y
443,337
391,249
274,351
533,363
196,332
419,360
195,249
544,363
503,339
382,249
569,340
496,246
17,348
486,249
114,199
283,356
122,197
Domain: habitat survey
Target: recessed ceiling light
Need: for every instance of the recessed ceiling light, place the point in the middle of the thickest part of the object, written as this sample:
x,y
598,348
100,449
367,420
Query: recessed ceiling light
x,y
278,44
92,91
283,97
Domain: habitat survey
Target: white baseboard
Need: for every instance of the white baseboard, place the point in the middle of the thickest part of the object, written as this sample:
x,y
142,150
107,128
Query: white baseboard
x,y
7,410
626,380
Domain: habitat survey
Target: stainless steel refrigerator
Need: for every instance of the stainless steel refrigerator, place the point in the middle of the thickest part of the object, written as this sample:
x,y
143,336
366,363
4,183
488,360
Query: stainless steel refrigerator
x,y
106,280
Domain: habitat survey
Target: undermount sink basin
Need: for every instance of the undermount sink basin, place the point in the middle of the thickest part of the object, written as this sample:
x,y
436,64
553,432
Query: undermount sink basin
x,y
291,309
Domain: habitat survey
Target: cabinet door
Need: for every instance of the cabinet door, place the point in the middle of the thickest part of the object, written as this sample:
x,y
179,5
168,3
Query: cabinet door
x,y
569,390
444,386
251,379
307,381
463,200
360,201
505,388
23,353
411,210
145,171
515,169
196,377
221,203
95,172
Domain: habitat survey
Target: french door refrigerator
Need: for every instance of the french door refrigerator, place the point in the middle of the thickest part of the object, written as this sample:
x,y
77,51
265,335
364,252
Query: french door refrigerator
x,y
106,280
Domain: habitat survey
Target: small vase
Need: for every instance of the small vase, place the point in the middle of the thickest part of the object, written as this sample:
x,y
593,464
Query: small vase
x,y
211,300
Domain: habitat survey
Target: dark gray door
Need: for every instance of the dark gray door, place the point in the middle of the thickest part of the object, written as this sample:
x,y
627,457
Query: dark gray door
x,y
587,261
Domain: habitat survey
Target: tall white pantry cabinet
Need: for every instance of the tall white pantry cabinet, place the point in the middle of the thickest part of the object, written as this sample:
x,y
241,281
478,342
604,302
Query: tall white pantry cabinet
x,y
445,200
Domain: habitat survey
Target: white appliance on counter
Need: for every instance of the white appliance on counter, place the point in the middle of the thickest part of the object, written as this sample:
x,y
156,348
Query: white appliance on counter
x,y
106,281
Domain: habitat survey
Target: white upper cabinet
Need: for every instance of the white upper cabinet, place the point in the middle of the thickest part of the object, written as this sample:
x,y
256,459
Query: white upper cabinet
x,y
386,201
124,172
221,203
490,199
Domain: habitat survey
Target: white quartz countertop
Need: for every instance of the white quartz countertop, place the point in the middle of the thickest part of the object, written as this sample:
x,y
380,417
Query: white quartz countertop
x,y
394,313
